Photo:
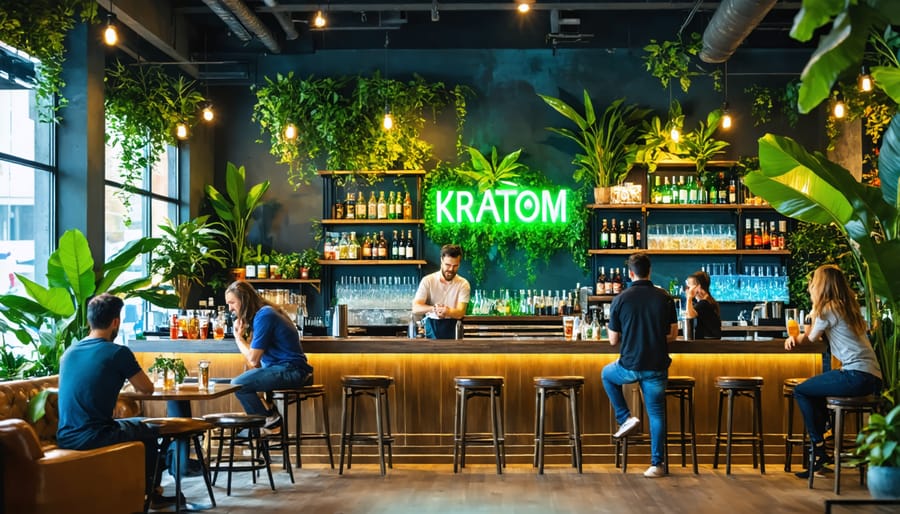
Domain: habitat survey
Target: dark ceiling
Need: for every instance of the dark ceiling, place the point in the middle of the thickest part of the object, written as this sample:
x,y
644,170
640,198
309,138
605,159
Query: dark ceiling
x,y
191,31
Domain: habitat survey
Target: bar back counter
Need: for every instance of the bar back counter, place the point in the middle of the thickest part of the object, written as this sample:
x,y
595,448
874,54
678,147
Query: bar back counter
x,y
422,400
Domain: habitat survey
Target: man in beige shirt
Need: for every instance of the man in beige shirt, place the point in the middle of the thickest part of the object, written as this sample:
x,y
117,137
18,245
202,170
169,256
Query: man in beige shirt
x,y
442,296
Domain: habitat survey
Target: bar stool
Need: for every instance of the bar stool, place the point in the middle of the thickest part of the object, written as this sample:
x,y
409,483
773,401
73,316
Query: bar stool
x,y
181,431
377,387
790,440
735,387
295,397
244,429
474,387
840,406
568,387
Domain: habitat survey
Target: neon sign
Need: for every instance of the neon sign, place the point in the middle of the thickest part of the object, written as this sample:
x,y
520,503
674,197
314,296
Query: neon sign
x,y
502,206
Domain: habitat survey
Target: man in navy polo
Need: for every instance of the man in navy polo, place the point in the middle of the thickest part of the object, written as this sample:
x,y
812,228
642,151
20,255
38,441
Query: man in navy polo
x,y
642,318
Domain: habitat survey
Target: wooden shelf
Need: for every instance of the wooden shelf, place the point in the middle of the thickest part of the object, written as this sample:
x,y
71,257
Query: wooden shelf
x,y
601,297
314,282
679,206
688,252
392,173
345,221
380,262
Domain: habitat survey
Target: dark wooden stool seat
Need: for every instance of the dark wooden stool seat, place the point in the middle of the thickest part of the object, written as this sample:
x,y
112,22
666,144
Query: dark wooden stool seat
x,y
568,387
841,406
243,429
375,386
295,397
183,432
489,387
791,440
732,387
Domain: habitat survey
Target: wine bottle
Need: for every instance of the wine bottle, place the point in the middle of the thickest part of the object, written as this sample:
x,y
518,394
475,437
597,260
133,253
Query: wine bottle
x,y
410,249
604,236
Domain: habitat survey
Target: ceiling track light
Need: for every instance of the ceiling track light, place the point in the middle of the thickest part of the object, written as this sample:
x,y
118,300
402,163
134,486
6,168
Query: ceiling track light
x,y
865,80
110,34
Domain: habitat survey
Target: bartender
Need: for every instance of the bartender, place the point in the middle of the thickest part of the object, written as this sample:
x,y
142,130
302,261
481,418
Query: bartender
x,y
702,308
442,296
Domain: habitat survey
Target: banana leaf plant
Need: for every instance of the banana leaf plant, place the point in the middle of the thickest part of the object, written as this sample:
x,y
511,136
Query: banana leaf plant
x,y
609,143
49,319
808,187
235,208
488,173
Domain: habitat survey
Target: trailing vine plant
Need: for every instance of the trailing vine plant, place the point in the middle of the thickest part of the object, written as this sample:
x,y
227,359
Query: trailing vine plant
x,y
39,28
338,121
143,105
490,241
766,100
672,61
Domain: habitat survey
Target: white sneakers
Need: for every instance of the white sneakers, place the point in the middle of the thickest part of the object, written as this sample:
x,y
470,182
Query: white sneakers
x,y
655,472
627,427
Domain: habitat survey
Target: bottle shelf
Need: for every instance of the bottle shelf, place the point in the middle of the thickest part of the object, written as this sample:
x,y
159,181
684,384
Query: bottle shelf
x,y
368,262
687,252
392,173
601,297
345,221
314,282
679,206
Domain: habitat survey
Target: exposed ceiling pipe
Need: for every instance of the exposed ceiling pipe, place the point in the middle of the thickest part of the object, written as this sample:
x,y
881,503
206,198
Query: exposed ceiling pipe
x,y
284,20
733,21
252,22
233,24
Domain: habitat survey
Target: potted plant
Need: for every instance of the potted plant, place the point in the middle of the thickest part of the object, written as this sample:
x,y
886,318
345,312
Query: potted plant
x,y
172,369
699,144
878,445
657,137
288,264
309,263
609,142
234,210
184,254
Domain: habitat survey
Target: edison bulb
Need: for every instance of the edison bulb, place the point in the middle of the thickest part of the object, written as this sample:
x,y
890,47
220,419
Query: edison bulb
x,y
523,7
290,132
110,36
726,121
675,135
208,114
319,20
181,131
839,109
388,122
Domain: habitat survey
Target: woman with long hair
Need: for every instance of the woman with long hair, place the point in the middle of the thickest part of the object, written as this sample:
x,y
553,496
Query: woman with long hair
x,y
835,314
702,309
270,343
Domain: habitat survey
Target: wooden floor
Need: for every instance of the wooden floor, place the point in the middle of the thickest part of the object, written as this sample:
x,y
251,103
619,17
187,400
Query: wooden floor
x,y
424,489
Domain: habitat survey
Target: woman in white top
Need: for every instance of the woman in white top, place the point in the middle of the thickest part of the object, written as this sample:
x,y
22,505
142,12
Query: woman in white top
x,y
835,314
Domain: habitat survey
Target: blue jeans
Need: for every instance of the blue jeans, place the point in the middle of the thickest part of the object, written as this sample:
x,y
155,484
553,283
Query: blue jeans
x,y
653,387
260,380
810,396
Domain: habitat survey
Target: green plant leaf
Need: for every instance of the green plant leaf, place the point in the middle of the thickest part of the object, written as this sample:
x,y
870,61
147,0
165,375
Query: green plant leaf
x,y
55,299
72,265
814,14
889,162
888,79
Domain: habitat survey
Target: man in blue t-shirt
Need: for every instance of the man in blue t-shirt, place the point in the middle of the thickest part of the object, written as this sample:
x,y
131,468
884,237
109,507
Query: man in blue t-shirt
x,y
91,374
642,318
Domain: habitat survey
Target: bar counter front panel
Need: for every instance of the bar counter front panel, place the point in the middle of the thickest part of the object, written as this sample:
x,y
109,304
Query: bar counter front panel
x,y
422,399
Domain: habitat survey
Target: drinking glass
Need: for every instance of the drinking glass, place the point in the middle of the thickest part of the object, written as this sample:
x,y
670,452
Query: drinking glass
x,y
792,322
568,327
203,374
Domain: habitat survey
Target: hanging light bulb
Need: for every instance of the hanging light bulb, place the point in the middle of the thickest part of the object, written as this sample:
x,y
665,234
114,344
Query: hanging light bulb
x,y
290,132
675,134
181,130
319,21
865,80
388,122
207,113
523,6
726,121
839,110
110,34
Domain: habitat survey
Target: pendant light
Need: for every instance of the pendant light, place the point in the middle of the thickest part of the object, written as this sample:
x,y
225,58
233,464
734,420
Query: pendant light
x,y
319,21
290,132
865,80
839,110
726,122
181,130
388,121
110,34
208,114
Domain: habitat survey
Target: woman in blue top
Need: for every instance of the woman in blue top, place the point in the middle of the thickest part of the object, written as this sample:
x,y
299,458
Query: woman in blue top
x,y
836,314
270,343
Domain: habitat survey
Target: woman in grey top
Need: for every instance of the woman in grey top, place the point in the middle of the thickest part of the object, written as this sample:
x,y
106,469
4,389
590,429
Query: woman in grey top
x,y
835,314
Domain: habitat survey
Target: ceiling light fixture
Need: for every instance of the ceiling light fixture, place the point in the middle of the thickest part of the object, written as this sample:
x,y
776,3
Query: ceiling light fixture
x,y
208,113
865,80
675,135
319,21
523,6
726,122
110,34
839,110
290,132
181,131
388,121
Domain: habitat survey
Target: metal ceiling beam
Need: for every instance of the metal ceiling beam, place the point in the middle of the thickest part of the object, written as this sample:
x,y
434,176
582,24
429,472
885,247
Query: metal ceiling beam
x,y
249,19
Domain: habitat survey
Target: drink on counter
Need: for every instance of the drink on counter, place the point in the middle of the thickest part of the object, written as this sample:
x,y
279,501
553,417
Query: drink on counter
x,y
203,374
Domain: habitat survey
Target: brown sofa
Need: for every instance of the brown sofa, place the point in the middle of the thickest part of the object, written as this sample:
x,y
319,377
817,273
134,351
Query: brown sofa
x,y
38,477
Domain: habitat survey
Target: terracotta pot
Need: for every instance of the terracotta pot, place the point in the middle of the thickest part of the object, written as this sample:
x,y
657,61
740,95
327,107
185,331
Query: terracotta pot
x,y
304,273
601,195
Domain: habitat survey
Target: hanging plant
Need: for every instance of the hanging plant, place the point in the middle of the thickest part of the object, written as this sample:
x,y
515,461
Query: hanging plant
x,y
143,105
338,121
39,28
488,241
700,146
657,137
672,60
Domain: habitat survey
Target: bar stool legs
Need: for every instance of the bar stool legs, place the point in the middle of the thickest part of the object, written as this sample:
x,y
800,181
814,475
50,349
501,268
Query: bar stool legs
x,y
733,387
472,387
568,387
790,440
375,386
841,406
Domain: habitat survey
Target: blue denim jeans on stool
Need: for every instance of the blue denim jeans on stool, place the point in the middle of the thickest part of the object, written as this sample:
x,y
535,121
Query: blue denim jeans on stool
x,y
810,396
653,387
259,380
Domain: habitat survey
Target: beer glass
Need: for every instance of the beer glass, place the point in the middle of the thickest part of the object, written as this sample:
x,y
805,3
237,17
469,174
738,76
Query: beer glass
x,y
792,322
203,375
568,327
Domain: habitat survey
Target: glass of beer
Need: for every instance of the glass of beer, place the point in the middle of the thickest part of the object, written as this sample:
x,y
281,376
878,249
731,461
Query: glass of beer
x,y
568,327
792,322
203,375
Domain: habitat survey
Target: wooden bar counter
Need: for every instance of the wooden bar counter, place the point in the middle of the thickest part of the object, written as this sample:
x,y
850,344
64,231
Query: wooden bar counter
x,y
422,399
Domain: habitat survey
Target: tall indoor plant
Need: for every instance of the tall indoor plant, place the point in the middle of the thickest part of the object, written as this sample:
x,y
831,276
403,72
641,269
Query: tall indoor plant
x,y
185,253
609,143
235,208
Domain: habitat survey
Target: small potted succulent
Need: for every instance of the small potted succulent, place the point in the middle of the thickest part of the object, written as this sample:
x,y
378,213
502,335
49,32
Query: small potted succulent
x,y
172,370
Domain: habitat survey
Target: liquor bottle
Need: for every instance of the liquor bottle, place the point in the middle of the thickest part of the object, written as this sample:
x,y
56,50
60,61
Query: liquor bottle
x,y
782,233
666,194
637,234
629,235
373,206
613,235
601,280
748,234
407,207
773,236
656,192
604,236
617,282
713,191
410,248
381,207
367,247
360,207
682,191
353,254
398,206
732,190
722,188
391,207
595,328
395,245
623,236
766,237
350,207
757,234
382,244
344,247
693,191
607,283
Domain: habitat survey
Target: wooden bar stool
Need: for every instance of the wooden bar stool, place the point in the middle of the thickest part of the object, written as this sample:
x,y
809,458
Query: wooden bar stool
x,y
568,387
841,406
295,397
475,387
183,432
790,440
243,429
731,388
377,387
